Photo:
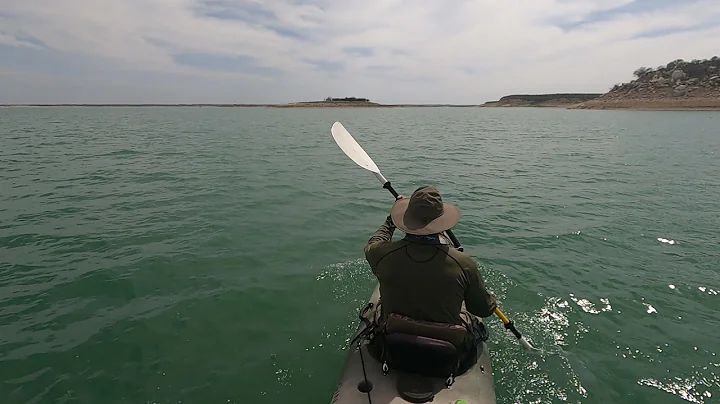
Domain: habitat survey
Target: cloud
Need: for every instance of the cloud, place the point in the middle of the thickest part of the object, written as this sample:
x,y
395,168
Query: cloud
x,y
219,62
381,68
326,65
467,51
359,51
628,8
669,30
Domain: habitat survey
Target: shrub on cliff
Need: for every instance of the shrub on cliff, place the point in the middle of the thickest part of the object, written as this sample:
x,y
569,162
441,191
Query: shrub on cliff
x,y
642,71
676,64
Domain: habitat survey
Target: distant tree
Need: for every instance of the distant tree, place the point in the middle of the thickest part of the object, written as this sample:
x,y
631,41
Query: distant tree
x,y
715,59
641,71
697,69
675,64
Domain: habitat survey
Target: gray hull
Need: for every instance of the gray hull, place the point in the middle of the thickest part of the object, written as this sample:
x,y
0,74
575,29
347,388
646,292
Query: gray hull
x,y
474,386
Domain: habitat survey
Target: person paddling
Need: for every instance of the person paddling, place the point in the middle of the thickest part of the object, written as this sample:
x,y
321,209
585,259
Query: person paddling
x,y
421,278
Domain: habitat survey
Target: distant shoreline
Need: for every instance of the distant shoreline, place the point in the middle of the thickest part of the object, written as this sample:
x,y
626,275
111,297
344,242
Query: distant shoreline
x,y
297,105
688,104
555,100
618,105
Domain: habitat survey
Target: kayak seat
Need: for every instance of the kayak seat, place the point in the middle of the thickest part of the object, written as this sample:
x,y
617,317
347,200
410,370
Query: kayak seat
x,y
421,355
424,348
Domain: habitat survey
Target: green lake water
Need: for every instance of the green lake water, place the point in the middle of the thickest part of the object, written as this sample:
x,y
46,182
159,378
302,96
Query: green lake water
x,y
209,255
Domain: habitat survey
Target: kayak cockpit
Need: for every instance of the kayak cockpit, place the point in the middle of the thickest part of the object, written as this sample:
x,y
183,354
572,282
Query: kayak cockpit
x,y
366,379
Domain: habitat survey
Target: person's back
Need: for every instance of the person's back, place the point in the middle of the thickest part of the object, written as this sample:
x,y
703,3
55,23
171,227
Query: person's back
x,y
419,276
427,281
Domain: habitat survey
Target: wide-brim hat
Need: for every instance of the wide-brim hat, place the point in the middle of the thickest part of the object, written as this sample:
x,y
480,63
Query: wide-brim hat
x,y
424,213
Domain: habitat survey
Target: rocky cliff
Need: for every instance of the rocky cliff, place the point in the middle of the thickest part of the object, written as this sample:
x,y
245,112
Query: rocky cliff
x,y
677,85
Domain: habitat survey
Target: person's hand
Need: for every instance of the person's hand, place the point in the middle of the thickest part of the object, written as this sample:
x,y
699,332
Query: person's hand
x,y
399,197
493,302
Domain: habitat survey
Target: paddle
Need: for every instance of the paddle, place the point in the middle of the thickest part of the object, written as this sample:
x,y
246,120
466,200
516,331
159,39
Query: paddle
x,y
352,149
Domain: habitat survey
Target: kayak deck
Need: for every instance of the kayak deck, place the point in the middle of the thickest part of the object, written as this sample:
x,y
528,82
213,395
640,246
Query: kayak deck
x,y
472,387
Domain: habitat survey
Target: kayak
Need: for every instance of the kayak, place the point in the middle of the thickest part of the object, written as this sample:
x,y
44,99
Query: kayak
x,y
363,380
475,386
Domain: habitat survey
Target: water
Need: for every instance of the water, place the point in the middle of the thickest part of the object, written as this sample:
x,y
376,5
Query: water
x,y
160,255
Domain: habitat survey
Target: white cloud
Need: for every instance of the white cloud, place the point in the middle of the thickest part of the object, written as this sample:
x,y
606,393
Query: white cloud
x,y
463,51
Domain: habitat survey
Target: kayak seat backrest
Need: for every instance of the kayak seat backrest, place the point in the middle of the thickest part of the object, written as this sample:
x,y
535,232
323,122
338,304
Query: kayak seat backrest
x,y
452,333
421,355
426,348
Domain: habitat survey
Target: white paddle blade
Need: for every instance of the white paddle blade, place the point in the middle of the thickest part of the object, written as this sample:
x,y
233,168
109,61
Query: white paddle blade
x,y
352,149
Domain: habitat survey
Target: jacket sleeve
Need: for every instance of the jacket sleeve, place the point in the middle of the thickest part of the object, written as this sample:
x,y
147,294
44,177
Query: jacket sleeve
x,y
381,238
478,300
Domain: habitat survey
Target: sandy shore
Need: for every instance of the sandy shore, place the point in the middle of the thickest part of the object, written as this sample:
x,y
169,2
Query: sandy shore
x,y
680,104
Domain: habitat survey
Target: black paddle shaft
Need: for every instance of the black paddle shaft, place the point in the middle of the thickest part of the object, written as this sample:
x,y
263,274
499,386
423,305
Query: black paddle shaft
x,y
449,232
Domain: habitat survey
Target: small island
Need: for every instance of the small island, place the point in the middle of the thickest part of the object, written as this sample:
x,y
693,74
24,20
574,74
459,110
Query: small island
x,y
355,102
331,102
542,100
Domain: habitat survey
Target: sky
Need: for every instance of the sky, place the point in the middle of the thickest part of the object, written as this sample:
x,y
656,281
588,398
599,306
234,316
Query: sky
x,y
390,51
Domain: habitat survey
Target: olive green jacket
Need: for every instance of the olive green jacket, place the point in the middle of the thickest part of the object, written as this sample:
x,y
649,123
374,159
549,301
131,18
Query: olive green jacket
x,y
424,279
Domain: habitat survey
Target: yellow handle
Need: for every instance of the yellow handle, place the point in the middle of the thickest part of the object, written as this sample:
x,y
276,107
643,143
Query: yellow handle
x,y
510,326
502,316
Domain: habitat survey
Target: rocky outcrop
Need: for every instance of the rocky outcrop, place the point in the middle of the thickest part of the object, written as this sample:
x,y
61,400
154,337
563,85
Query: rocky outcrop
x,y
541,100
678,85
